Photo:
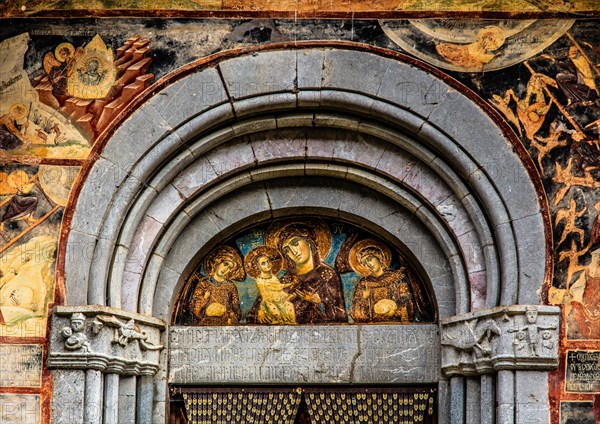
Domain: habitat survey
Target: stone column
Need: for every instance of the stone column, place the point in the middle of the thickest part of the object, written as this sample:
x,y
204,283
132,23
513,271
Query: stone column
x,y
517,345
111,399
92,408
91,348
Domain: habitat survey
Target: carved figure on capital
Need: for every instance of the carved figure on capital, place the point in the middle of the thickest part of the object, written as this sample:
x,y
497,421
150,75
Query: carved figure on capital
x,y
532,329
125,332
74,334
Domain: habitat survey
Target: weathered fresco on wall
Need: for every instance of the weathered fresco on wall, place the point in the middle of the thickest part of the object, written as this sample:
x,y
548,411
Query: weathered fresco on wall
x,y
58,106
305,271
63,83
28,127
24,8
32,200
474,46
577,413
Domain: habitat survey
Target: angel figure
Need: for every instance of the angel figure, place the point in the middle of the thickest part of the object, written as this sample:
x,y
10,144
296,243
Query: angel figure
x,y
382,294
476,54
59,66
531,109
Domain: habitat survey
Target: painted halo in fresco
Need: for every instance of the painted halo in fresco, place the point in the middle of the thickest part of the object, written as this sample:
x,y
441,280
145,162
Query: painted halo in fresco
x,y
474,45
304,271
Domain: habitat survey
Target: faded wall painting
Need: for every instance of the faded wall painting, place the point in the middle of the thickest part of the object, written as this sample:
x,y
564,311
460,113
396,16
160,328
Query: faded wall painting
x,y
32,200
577,413
474,45
56,107
169,7
304,271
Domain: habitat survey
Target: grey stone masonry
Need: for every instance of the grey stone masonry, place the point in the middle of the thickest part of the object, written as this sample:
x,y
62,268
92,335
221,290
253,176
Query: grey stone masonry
x,y
325,354
104,339
518,337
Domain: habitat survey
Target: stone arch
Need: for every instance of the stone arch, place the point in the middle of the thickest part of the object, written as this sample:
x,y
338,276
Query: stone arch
x,y
334,119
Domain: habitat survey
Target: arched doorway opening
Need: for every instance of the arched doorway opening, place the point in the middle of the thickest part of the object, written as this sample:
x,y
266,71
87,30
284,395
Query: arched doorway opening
x,y
370,138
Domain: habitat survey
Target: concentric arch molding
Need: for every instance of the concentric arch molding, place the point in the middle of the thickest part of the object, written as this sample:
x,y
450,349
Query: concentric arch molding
x,y
200,114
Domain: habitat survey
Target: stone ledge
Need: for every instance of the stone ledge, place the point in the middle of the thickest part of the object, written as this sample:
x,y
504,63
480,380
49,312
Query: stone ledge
x,y
518,337
104,339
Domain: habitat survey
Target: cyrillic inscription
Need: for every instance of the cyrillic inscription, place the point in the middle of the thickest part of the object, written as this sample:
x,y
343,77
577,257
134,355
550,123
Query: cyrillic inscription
x,y
20,365
583,371
308,354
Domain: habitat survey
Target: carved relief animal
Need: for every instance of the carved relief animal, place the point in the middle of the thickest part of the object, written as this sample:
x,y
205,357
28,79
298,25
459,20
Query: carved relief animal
x,y
125,332
476,337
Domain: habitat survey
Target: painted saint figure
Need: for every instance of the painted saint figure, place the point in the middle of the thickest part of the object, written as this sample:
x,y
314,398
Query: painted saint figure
x,y
576,80
215,300
59,66
314,287
23,203
263,263
383,295
13,128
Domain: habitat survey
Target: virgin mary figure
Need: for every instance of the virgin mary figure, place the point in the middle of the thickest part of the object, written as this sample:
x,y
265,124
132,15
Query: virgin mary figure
x,y
314,288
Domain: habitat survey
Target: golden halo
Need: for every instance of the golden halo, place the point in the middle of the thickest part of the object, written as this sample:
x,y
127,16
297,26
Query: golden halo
x,y
17,179
221,253
355,251
83,63
18,111
319,227
494,34
58,51
269,252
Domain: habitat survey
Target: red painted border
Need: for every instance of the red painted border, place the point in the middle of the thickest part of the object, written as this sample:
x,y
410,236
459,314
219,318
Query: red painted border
x,y
556,379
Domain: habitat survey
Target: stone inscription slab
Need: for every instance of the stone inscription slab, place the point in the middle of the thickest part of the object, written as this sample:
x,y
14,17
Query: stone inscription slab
x,y
583,371
20,365
19,409
307,354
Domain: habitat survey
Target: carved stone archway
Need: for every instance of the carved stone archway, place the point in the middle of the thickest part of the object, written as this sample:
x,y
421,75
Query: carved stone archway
x,y
371,137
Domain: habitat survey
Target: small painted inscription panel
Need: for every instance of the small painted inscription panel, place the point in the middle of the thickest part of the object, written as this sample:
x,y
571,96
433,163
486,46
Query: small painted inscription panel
x,y
583,371
315,354
577,413
20,365
19,409
304,271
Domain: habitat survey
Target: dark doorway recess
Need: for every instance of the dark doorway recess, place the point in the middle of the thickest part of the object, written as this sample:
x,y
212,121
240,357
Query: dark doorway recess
x,y
304,405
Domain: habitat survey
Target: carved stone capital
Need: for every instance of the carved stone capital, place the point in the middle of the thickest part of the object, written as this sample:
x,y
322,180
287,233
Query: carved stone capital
x,y
105,339
524,337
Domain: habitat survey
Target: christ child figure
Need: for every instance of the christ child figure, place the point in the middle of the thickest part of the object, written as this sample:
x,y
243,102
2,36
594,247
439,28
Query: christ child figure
x,y
263,263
